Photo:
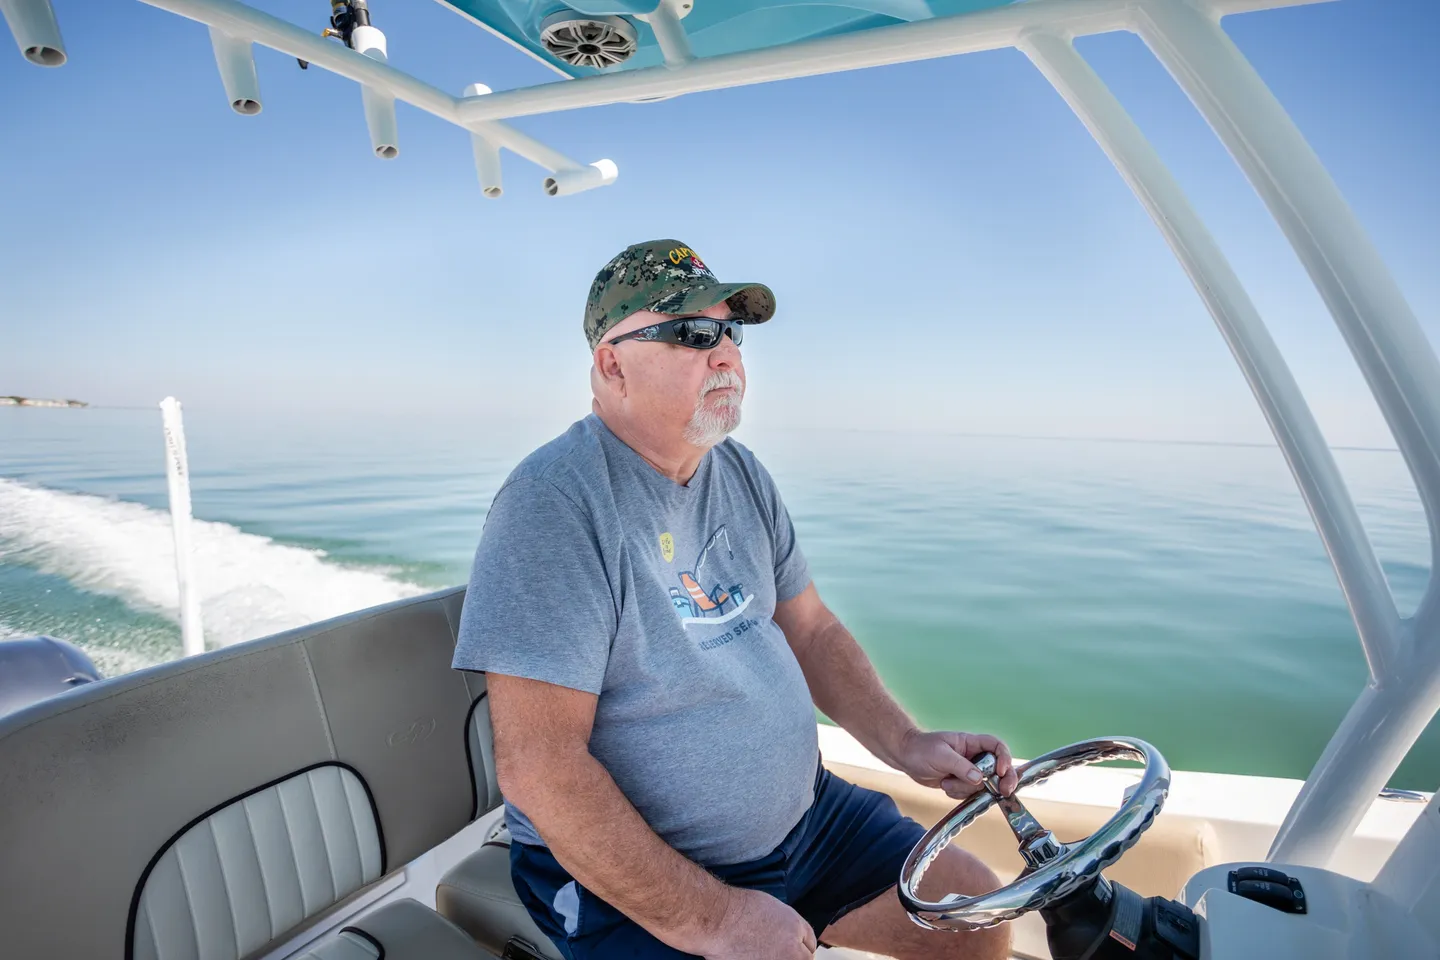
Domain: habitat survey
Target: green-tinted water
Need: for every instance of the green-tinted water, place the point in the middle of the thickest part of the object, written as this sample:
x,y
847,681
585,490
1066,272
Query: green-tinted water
x,y
1043,590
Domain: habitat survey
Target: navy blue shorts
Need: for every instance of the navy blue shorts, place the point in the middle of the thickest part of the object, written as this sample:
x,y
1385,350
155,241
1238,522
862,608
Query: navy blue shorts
x,y
846,851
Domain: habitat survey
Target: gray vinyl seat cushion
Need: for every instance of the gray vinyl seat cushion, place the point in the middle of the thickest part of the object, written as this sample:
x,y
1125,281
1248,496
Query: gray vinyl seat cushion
x,y
262,864
402,930
478,895
346,945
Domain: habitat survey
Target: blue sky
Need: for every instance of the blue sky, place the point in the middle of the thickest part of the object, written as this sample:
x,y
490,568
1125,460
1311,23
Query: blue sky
x,y
949,248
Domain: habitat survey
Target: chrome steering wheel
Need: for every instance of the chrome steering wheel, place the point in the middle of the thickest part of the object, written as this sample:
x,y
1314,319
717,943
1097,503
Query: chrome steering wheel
x,y
1053,870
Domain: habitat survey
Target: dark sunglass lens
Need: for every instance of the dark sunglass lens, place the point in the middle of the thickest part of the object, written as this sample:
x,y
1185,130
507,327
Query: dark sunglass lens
x,y
736,333
700,334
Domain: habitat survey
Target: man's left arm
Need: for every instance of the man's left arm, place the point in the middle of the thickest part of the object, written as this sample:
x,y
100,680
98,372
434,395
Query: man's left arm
x,y
846,688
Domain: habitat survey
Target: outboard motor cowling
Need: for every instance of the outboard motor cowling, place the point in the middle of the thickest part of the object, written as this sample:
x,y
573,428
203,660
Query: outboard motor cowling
x,y
38,668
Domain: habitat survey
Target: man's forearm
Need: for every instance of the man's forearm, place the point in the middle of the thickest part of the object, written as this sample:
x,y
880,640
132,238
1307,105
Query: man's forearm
x,y
846,688
601,840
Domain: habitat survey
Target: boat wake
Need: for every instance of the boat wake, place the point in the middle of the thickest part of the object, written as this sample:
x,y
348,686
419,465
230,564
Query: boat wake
x,y
250,586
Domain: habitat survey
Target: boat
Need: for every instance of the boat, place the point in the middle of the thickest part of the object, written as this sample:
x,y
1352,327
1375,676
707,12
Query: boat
x,y
38,402
329,792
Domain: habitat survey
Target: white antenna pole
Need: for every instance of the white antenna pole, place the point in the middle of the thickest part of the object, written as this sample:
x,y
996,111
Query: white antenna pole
x,y
177,473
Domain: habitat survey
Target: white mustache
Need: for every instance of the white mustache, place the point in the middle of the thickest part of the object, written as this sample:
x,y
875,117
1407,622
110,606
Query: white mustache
x,y
721,379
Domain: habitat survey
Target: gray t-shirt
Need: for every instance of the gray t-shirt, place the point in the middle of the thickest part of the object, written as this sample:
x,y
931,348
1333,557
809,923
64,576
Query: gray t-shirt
x,y
596,572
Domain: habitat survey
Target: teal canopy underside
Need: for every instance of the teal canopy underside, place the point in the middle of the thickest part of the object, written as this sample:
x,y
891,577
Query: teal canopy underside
x,y
713,26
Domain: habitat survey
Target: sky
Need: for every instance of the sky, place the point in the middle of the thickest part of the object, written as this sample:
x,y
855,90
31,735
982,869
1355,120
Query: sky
x,y
949,249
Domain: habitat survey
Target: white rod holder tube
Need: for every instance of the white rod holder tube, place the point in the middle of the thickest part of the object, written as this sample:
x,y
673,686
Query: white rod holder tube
x,y
236,59
487,152
487,166
379,104
670,34
370,41
177,476
380,121
239,19
601,173
1356,566
36,31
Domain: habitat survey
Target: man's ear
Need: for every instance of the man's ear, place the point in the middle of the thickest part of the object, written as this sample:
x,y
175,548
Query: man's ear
x,y
607,369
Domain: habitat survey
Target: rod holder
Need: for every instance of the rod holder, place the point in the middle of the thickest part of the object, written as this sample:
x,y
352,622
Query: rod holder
x,y
380,119
236,59
487,152
379,106
33,24
369,41
487,166
601,173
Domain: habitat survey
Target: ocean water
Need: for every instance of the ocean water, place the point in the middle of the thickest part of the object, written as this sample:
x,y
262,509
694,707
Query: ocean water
x,y
1044,590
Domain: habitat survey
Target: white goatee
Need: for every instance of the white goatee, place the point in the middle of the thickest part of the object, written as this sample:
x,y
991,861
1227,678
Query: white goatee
x,y
712,422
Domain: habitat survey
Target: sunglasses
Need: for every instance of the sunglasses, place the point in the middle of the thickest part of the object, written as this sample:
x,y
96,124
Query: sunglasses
x,y
698,333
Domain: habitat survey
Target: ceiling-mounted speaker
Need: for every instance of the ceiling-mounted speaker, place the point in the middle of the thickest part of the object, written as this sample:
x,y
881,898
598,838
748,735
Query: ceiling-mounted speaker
x,y
588,41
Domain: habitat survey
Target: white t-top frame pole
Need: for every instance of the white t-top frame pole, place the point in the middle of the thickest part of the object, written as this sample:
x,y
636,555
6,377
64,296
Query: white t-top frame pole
x,y
1398,363
1276,390
177,476
1260,359
1392,351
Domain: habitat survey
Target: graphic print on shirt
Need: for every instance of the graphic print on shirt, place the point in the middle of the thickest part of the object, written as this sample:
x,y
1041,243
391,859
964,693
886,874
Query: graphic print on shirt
x,y
697,603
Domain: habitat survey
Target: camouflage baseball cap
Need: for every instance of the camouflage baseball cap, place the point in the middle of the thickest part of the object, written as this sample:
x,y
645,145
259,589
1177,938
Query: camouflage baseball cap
x,y
668,277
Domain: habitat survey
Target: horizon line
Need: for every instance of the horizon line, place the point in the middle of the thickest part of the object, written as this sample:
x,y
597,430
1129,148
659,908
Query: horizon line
x,y
1175,441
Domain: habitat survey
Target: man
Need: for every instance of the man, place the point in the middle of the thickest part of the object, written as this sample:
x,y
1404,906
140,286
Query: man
x,y
653,645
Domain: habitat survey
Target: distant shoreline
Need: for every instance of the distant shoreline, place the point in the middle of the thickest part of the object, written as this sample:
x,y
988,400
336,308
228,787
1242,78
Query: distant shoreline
x,y
38,402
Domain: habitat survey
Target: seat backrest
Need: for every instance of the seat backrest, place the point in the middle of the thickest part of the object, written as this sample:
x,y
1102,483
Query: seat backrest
x,y
214,806
480,750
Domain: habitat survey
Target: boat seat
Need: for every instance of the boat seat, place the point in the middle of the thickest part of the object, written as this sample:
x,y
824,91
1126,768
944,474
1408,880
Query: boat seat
x,y
402,930
226,804
478,895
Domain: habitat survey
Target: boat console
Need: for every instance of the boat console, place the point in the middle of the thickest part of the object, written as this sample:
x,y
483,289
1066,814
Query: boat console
x,y
1275,911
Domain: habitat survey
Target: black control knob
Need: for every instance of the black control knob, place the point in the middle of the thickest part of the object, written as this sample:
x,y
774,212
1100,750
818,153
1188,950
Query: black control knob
x,y
1274,888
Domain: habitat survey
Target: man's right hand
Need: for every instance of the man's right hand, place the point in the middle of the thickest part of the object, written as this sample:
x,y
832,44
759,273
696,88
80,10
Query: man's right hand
x,y
757,926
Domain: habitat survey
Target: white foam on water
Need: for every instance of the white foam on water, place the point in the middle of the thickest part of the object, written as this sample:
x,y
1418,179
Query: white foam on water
x,y
250,586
